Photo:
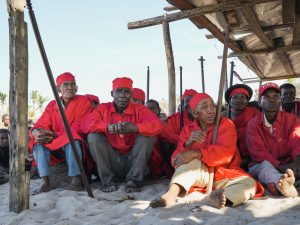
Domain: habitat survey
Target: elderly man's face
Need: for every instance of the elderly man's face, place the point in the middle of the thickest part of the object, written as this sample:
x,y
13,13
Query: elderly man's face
x,y
288,95
121,97
205,111
270,101
153,107
4,139
238,101
68,89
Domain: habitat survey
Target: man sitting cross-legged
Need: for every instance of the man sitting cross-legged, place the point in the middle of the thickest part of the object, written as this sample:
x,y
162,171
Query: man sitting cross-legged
x,y
195,153
273,139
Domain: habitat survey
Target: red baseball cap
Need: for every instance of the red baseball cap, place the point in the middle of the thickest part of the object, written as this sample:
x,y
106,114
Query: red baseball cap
x,y
266,87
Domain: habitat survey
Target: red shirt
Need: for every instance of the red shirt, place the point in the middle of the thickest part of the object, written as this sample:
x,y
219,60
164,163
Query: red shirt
x,y
98,121
171,129
75,111
241,122
279,147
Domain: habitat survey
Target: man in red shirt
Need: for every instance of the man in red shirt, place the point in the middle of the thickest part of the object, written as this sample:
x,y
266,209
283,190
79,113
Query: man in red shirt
x,y
273,139
238,96
121,138
138,96
288,97
50,140
195,153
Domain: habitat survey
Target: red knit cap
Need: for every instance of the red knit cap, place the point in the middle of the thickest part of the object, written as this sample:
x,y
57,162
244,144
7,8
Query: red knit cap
x,y
122,82
64,77
138,94
197,98
240,91
266,87
189,92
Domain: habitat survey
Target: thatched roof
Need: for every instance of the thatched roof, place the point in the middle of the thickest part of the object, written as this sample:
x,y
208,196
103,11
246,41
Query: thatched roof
x,y
266,37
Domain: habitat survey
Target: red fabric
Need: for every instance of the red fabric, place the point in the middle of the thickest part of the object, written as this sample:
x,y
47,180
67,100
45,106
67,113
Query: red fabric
x,y
171,128
241,127
197,98
122,82
278,148
93,98
64,77
146,121
189,92
138,94
266,87
240,91
223,155
76,110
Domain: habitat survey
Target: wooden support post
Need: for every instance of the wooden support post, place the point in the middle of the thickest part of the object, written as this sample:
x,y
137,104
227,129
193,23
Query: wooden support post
x,y
18,108
171,67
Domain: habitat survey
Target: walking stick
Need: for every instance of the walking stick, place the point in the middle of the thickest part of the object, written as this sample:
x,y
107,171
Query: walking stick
x,y
57,99
202,73
181,100
219,105
230,84
148,82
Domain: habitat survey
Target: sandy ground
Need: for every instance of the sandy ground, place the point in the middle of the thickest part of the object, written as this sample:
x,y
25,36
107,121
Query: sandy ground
x,y
63,207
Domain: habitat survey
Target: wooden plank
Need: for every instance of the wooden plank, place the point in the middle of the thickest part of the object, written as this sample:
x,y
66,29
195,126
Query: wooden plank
x,y
170,8
288,11
264,51
207,9
254,80
255,26
18,108
171,68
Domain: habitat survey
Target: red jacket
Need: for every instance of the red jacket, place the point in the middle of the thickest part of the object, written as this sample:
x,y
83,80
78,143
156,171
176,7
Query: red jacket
x,y
171,129
280,147
223,155
76,110
241,122
98,121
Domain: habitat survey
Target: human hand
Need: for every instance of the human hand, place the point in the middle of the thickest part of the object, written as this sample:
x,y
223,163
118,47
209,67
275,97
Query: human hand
x,y
185,157
42,136
123,128
196,136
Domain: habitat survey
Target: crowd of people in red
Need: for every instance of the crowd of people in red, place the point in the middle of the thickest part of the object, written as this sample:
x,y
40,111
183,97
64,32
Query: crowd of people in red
x,y
128,139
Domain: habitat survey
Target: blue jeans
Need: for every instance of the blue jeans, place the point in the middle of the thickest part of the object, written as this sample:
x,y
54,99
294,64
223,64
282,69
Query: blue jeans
x,y
42,157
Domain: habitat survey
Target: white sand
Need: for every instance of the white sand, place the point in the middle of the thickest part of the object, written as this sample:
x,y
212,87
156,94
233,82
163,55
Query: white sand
x,y
63,207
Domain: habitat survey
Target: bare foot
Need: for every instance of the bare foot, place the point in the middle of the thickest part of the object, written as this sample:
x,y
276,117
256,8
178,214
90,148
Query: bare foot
x,y
43,188
163,201
76,184
216,199
286,184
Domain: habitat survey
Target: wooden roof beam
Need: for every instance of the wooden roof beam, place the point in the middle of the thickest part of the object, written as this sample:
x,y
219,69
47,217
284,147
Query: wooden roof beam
x,y
253,80
207,9
255,26
288,11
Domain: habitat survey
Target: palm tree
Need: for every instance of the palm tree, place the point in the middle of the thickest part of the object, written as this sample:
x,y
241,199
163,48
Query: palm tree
x,y
41,102
34,96
3,98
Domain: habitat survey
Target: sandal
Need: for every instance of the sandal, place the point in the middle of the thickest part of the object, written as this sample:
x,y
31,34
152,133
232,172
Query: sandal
x,y
110,187
132,186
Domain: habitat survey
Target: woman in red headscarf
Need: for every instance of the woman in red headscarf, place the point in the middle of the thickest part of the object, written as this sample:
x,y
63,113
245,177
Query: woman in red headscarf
x,y
195,154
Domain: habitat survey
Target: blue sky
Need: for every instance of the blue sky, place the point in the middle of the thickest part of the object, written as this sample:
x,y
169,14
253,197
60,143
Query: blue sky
x,y
90,39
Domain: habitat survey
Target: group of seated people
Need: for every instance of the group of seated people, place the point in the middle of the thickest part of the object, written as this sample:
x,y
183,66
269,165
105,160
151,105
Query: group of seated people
x,y
127,139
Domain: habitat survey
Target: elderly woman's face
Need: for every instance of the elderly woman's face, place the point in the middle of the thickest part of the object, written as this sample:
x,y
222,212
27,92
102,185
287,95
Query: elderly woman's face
x,y
205,111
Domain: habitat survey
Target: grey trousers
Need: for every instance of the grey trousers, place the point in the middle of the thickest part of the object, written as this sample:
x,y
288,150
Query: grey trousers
x,y
111,164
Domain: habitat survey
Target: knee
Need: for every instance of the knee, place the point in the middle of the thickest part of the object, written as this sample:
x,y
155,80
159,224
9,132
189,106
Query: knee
x,y
147,140
93,138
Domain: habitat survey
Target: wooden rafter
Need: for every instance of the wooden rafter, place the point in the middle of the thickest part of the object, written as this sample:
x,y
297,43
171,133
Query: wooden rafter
x,y
254,24
288,11
254,80
265,51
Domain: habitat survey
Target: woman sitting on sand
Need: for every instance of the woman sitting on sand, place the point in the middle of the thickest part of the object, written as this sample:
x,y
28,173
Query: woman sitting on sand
x,y
195,155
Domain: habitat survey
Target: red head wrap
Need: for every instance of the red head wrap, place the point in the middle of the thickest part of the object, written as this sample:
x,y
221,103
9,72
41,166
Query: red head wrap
x,y
188,92
122,82
266,87
240,91
138,94
64,77
197,98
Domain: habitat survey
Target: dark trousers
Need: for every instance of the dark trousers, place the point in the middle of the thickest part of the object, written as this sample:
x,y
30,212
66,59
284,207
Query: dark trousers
x,y
111,164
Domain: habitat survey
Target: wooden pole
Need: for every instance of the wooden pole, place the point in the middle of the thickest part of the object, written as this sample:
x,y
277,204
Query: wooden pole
x,y
18,106
206,9
219,105
230,84
171,67
202,73
181,100
148,82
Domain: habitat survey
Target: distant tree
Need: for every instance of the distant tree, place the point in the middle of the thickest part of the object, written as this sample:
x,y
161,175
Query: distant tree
x,y
41,102
37,104
3,98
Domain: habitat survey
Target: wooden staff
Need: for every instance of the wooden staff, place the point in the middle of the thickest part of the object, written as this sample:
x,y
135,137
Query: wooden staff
x,y
230,84
202,73
148,82
57,99
181,100
219,105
